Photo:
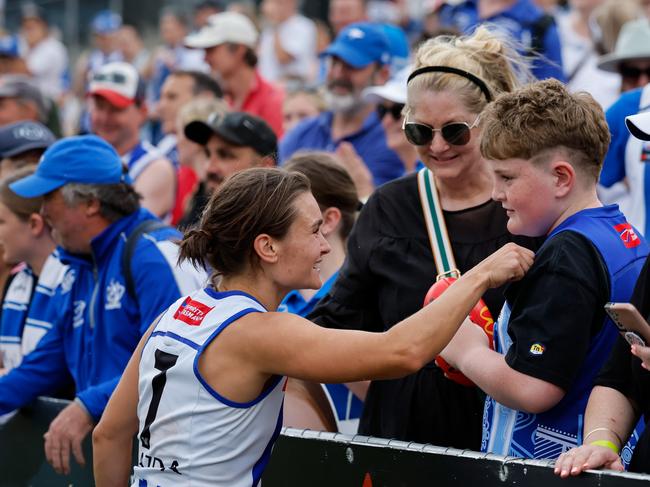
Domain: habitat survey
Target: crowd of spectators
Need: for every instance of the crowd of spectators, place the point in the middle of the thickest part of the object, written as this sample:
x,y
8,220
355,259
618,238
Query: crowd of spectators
x,y
107,158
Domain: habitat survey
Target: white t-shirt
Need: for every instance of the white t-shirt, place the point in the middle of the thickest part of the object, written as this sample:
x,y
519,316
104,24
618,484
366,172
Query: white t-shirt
x,y
47,61
298,38
579,56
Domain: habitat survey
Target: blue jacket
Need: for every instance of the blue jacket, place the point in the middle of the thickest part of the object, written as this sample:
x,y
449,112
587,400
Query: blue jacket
x,y
99,324
518,22
369,142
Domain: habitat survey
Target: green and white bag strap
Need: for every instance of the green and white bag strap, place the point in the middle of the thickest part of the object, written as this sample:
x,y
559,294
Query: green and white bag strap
x,y
443,255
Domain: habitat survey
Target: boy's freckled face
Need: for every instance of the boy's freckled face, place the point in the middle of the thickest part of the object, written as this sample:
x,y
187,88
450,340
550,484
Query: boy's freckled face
x,y
527,193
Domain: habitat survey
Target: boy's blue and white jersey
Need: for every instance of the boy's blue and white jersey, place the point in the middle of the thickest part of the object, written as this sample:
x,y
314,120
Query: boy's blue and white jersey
x,y
189,434
27,310
546,435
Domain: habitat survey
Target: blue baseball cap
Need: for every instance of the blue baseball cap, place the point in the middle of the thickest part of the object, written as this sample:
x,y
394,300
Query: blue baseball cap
x,y
9,46
85,159
20,137
360,44
106,22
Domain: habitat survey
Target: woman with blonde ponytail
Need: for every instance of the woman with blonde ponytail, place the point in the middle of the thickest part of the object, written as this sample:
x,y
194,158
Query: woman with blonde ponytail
x,y
390,264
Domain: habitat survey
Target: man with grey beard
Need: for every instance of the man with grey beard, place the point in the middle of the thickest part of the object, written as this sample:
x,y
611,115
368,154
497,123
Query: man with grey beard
x,y
358,58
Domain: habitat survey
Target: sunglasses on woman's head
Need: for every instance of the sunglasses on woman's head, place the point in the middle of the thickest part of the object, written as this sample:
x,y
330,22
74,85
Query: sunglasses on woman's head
x,y
395,111
454,133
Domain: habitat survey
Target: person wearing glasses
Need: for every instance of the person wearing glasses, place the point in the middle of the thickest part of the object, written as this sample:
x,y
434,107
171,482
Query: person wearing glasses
x,y
390,266
390,99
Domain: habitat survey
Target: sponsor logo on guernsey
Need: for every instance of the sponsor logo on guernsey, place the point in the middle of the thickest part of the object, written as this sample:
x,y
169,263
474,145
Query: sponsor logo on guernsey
x,y
537,349
628,235
192,312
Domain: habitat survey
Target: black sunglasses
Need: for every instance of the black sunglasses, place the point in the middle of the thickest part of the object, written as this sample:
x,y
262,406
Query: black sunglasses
x,y
395,111
454,133
632,72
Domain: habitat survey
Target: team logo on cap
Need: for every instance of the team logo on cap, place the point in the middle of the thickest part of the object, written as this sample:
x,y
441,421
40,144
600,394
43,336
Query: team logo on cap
x,y
628,235
192,312
537,349
355,33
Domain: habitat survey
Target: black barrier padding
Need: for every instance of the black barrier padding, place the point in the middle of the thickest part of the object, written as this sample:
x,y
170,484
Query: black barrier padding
x,y
308,458
22,457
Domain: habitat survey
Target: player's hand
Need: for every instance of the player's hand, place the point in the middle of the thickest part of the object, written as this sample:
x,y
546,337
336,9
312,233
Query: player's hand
x,y
509,263
65,434
465,341
587,457
643,353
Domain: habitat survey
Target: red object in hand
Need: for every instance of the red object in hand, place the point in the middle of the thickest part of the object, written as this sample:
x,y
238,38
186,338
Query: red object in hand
x,y
480,316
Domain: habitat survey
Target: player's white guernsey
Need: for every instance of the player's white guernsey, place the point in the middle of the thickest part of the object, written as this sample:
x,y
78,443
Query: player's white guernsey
x,y
189,434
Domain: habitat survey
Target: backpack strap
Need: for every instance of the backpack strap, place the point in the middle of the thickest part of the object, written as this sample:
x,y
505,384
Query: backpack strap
x,y
129,248
443,255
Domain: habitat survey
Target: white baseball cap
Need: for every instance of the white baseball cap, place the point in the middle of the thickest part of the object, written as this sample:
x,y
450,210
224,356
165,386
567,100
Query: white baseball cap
x,y
224,27
393,90
118,82
639,125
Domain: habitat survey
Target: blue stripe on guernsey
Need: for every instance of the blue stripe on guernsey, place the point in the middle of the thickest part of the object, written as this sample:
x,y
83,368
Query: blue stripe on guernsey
x,y
224,325
261,464
224,294
142,483
173,335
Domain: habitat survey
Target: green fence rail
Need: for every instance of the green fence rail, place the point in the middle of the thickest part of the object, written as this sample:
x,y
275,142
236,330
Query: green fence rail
x,y
314,459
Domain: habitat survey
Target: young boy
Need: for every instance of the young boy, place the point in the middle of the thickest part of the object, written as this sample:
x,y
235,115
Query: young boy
x,y
546,148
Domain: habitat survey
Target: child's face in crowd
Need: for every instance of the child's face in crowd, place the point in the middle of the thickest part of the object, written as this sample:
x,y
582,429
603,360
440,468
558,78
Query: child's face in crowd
x,y
528,194
296,108
14,236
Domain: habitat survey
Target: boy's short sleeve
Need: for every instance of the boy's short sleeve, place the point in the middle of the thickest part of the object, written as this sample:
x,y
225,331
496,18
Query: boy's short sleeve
x,y
556,310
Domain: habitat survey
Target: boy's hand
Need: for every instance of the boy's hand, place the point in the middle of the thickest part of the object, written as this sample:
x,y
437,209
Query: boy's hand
x,y
465,341
509,263
587,457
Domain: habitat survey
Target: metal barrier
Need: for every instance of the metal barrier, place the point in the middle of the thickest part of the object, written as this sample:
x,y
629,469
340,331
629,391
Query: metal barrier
x,y
314,459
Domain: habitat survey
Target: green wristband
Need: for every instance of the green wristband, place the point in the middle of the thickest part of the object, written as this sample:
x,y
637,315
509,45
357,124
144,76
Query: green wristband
x,y
606,444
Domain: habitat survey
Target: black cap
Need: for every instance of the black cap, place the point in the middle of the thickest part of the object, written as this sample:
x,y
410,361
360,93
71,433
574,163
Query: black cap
x,y
238,128
20,137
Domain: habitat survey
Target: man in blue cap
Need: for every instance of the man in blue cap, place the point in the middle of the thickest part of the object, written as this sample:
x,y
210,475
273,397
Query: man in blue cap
x,y
359,57
116,285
